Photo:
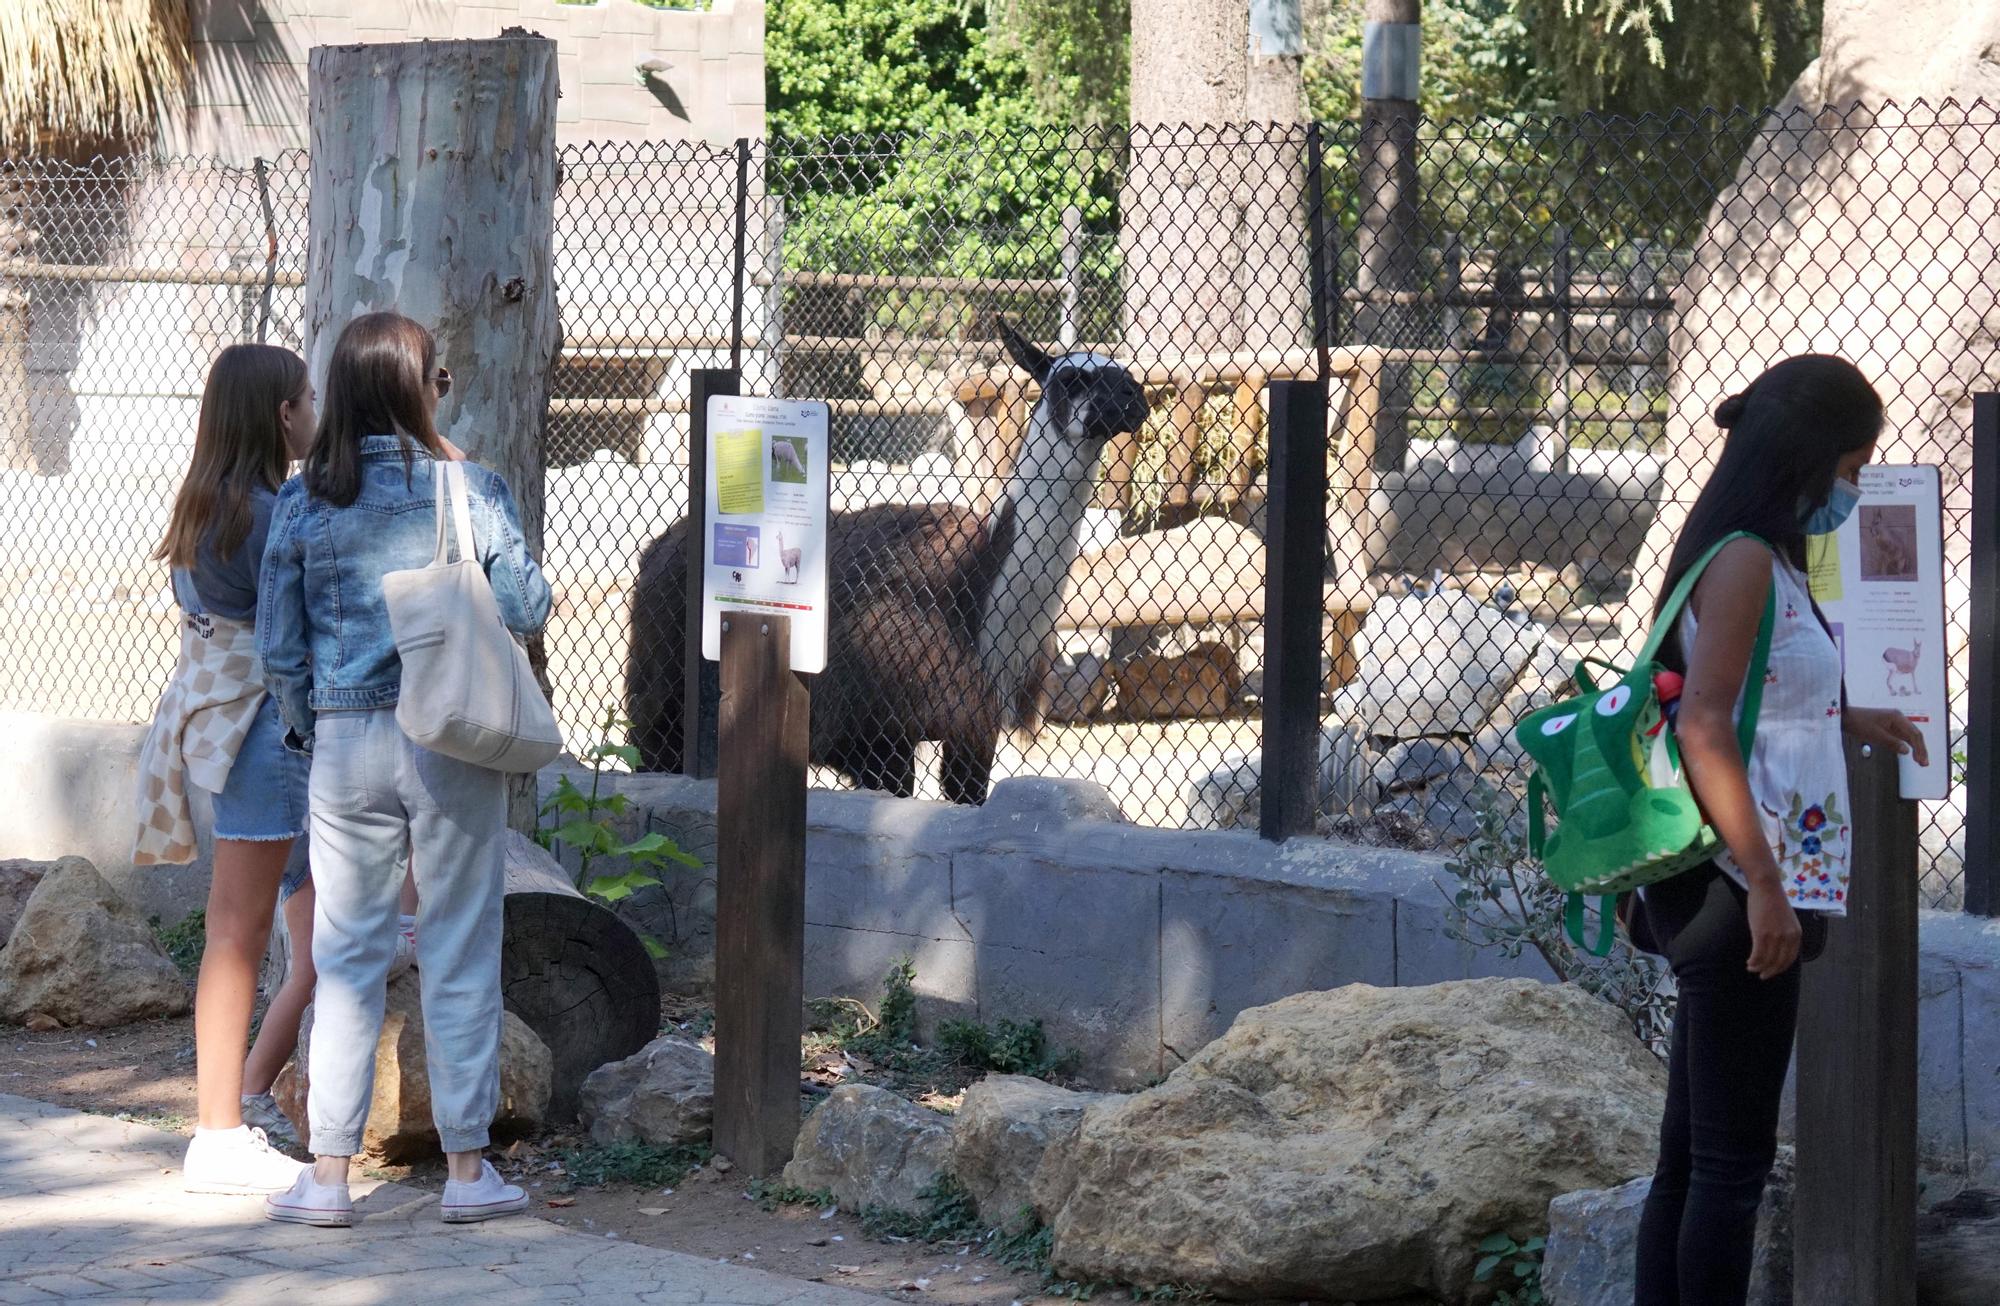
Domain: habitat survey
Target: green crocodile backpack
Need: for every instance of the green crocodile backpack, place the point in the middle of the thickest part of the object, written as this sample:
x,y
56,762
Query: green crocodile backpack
x,y
1608,764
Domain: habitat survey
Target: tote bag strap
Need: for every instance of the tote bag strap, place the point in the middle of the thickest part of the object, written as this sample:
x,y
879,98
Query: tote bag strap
x,y
448,479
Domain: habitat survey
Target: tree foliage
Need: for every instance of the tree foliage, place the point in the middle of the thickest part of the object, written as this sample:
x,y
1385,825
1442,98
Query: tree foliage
x,y
1077,54
1651,56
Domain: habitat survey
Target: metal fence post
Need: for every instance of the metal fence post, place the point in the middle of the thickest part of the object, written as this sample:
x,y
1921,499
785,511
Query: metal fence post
x,y
1322,306
1981,873
1855,1211
742,255
1294,609
702,678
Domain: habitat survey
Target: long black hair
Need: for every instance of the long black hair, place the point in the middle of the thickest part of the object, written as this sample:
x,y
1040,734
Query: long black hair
x,y
1788,432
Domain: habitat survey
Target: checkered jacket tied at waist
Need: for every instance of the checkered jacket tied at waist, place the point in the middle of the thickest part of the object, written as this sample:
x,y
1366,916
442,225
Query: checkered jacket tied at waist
x,y
200,723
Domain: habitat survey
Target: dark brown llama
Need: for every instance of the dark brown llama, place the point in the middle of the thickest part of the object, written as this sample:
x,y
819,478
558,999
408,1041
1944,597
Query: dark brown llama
x,y
939,618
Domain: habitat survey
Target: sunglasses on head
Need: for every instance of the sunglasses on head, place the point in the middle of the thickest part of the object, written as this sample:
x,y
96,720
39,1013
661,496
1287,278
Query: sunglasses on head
x,y
442,381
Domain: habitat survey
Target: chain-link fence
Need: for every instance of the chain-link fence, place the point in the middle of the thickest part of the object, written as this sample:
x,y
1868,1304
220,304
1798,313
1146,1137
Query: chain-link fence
x,y
1523,325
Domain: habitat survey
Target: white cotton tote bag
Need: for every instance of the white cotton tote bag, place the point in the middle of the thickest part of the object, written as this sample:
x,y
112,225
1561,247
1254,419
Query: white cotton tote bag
x,y
468,691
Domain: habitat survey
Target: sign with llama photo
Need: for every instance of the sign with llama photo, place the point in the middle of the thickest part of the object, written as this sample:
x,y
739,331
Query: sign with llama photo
x,y
764,535
1880,581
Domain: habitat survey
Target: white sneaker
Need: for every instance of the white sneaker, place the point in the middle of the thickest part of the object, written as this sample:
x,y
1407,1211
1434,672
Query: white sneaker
x,y
260,1111
236,1162
484,1199
406,952
308,1201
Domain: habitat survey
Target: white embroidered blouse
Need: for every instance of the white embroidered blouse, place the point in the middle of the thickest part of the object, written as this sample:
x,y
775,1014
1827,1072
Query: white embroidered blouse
x,y
1798,768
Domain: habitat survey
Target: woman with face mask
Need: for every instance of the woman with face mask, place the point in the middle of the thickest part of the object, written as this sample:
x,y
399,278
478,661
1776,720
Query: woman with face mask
x,y
1735,929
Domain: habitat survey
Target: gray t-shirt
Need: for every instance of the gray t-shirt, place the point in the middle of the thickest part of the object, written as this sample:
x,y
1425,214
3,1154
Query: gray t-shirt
x,y
227,586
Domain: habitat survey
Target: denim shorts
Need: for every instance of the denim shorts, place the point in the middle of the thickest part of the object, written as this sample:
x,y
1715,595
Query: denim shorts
x,y
265,796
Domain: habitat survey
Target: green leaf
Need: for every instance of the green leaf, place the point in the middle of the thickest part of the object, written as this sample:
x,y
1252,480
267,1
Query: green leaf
x,y
1498,1242
612,888
1534,1245
1484,1270
585,835
654,948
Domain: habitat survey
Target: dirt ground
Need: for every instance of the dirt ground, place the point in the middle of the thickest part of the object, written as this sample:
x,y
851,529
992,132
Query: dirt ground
x,y
146,1072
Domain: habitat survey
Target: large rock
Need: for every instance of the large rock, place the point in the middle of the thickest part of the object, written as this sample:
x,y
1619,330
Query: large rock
x,y
17,884
1433,664
1592,1255
83,955
662,1094
399,1119
1863,232
1356,1144
1005,1126
870,1148
1231,795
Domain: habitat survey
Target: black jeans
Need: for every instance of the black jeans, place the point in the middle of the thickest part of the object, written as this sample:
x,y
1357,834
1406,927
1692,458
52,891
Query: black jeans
x,y
1731,1045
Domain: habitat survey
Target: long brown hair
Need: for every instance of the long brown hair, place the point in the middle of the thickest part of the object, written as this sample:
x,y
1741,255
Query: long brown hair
x,y
374,386
239,444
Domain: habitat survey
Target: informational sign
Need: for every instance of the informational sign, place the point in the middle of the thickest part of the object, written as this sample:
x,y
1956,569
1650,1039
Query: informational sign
x,y
764,535
1880,581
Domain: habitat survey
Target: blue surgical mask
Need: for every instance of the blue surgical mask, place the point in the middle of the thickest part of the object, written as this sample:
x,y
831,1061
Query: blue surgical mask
x,y
1840,502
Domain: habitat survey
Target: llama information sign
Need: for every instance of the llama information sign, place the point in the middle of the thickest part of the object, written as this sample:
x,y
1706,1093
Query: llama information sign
x,y
764,535
1880,581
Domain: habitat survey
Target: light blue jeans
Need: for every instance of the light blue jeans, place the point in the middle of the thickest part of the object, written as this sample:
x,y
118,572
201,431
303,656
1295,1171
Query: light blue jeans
x,y
376,795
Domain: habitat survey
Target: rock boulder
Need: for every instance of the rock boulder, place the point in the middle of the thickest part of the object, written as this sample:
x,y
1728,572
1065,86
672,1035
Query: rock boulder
x,y
82,955
871,1148
1594,1239
1003,1129
17,884
399,1119
663,1094
1356,1144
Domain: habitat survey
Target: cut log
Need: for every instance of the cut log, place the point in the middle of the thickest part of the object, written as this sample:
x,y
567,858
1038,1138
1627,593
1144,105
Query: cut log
x,y
573,972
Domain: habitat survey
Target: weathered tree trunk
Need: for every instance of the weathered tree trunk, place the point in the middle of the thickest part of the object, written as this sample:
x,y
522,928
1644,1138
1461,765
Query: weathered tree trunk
x,y
1389,233
433,193
1214,201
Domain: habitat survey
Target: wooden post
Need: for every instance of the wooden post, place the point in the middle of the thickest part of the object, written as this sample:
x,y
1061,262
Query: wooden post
x,y
760,894
1294,566
1854,1219
1982,741
433,194
702,683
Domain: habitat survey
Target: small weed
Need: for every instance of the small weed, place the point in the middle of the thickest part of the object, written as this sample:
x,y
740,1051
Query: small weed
x,y
184,940
1518,1265
586,825
771,1195
948,1215
1011,1047
898,1020
170,1122
645,1164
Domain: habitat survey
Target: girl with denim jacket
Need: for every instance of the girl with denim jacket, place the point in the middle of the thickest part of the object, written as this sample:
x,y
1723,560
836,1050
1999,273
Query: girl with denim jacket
x,y
365,507
216,728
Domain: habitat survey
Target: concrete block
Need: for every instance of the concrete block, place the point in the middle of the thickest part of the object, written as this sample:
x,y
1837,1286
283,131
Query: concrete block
x,y
609,60
716,37
569,74
1980,1008
746,28
279,43
1941,1132
224,20
625,16
478,23
851,963
1079,951
743,82
397,16
1226,947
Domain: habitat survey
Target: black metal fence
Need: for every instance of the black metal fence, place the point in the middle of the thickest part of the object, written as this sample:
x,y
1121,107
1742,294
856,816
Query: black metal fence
x,y
1520,325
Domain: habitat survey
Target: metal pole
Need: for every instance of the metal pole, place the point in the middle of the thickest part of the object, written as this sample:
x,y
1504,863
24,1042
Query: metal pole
x,y
1982,741
1391,46
1294,609
742,254
1316,269
270,249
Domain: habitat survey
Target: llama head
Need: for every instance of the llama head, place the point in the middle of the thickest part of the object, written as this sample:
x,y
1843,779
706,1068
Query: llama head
x,y
1088,397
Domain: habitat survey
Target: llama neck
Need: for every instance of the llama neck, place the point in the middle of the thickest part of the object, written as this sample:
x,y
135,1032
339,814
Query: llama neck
x,y
1047,493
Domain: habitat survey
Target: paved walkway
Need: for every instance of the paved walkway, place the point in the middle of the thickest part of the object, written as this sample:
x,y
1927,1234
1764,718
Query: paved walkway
x,y
91,1209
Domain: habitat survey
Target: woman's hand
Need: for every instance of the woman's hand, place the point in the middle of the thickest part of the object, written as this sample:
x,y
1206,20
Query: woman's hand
x,y
1774,930
1885,727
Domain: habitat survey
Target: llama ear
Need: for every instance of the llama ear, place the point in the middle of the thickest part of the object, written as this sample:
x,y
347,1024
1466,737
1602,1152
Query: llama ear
x,y
1032,360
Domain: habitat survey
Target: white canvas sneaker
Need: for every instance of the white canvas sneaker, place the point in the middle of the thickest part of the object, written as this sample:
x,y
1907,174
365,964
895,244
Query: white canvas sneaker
x,y
237,1162
486,1198
406,951
309,1201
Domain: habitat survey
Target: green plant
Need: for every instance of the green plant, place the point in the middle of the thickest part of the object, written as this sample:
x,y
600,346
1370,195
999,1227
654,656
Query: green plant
x,y
1503,901
947,1214
645,1164
588,827
1010,1047
772,1194
184,940
1518,1265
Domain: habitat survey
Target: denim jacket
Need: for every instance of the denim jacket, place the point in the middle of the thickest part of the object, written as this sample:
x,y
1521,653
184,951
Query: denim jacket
x,y
322,623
